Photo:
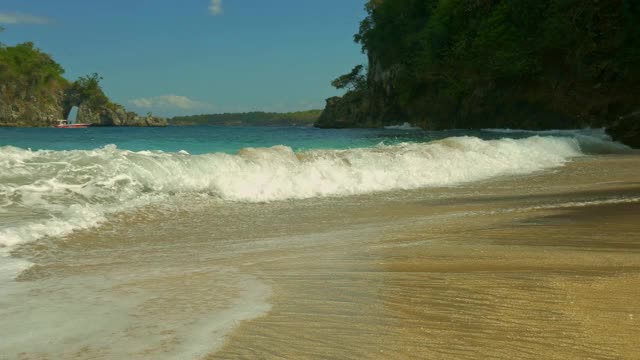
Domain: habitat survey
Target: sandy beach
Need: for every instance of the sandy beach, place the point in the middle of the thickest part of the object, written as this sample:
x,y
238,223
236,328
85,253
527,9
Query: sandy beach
x,y
545,265
316,180
551,270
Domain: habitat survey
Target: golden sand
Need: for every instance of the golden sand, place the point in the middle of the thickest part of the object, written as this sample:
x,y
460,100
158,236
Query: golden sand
x,y
545,269
545,266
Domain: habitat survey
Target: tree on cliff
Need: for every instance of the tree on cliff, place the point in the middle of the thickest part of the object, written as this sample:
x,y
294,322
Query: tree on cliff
x,y
25,66
355,80
465,59
87,90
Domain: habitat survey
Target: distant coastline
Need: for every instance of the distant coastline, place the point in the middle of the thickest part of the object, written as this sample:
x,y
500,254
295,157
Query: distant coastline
x,y
255,118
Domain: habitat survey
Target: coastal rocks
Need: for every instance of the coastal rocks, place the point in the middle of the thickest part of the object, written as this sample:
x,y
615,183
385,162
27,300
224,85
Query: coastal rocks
x,y
116,115
136,120
25,110
152,121
627,130
88,116
549,101
20,107
463,67
348,111
371,107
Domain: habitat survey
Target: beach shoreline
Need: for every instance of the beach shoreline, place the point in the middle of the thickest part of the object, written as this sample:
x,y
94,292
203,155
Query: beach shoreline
x,y
539,265
514,279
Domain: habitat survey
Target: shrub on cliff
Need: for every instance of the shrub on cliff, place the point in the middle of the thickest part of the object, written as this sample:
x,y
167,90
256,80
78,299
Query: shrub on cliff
x,y
354,80
24,66
87,90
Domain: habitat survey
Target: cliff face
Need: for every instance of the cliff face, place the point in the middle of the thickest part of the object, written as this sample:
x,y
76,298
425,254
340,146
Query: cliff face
x,y
552,100
21,107
116,115
375,105
33,92
496,64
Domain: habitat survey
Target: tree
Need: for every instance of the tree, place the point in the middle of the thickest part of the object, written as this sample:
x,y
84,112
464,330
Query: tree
x,y
355,80
27,66
87,90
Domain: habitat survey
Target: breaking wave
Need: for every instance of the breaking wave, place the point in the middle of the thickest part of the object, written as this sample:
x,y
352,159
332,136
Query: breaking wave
x,y
52,193
403,126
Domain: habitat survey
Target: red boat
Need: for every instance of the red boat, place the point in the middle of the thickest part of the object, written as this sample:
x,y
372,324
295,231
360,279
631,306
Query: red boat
x,y
64,124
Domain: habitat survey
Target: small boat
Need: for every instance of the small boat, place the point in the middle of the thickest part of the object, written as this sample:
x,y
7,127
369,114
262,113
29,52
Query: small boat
x,y
64,124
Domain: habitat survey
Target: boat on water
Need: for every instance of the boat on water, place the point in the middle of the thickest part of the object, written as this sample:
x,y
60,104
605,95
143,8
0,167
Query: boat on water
x,y
64,124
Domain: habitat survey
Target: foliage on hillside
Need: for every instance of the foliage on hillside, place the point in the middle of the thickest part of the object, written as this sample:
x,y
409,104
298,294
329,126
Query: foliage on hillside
x,y
87,90
33,91
26,67
450,51
257,118
512,39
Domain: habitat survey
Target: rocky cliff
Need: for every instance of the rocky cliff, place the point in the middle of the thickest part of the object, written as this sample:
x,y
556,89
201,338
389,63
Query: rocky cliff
x,y
489,64
33,92
116,115
370,106
552,101
21,107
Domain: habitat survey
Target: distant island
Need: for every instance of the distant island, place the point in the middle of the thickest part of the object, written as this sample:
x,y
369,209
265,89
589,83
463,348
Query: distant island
x,y
532,64
256,118
34,93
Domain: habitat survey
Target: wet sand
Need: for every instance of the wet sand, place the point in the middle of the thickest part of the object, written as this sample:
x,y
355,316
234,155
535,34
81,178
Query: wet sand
x,y
502,281
529,267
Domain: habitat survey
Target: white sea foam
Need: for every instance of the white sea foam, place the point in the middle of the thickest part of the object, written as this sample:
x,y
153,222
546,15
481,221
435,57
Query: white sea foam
x,y
148,315
592,141
403,126
51,193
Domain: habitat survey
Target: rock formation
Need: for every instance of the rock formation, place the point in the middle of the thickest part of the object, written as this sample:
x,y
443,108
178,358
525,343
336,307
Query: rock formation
x,y
496,64
20,107
627,130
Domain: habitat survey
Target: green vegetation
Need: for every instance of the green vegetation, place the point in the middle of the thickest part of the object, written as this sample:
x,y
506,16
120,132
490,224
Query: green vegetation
x,y
26,67
87,90
257,118
460,62
33,92
352,81
451,40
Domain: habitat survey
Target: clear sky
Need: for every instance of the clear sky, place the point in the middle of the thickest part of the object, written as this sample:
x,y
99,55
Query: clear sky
x,y
196,56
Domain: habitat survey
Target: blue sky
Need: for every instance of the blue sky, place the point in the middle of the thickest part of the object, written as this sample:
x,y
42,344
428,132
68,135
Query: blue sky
x,y
196,56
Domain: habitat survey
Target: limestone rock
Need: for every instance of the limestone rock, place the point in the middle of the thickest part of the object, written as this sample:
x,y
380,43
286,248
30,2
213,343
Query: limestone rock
x,y
20,107
116,115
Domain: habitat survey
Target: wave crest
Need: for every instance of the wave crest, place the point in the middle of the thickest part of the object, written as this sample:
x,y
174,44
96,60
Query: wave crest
x,y
54,192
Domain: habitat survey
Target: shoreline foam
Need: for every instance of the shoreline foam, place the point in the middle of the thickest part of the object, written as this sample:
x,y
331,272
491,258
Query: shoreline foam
x,y
59,192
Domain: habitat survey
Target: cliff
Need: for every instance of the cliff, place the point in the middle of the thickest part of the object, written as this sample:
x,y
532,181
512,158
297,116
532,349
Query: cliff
x,y
34,93
485,64
21,107
115,115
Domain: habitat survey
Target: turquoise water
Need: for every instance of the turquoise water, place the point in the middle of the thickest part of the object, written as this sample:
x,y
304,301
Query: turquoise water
x,y
210,139
54,181
200,139
83,221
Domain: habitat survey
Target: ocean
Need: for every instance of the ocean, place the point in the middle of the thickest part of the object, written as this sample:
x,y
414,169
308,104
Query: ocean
x,y
259,242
